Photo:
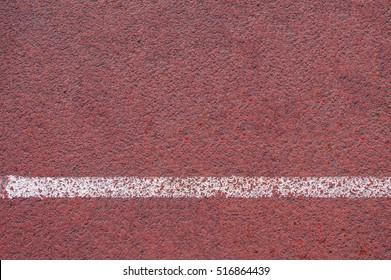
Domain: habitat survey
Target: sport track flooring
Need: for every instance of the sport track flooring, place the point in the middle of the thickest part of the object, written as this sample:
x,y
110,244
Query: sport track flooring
x,y
187,89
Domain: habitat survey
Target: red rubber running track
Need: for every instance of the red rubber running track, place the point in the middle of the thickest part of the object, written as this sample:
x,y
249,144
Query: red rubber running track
x,y
195,88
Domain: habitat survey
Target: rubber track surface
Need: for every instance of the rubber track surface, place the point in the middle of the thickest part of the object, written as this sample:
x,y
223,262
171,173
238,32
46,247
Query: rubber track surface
x,y
195,88
196,229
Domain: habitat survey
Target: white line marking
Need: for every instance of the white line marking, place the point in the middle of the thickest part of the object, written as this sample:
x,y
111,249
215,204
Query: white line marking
x,y
198,187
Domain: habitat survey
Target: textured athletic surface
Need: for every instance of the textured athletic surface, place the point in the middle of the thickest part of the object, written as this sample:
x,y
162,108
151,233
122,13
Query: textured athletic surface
x,y
208,228
195,88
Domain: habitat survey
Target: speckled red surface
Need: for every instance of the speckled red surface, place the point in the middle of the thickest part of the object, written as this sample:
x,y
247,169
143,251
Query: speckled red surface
x,y
196,229
191,88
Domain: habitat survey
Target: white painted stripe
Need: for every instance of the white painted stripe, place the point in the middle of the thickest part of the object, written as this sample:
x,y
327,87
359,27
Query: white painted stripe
x,y
198,187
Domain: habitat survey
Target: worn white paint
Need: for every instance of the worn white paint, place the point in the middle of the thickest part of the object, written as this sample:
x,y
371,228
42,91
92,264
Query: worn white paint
x,y
197,187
